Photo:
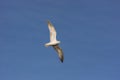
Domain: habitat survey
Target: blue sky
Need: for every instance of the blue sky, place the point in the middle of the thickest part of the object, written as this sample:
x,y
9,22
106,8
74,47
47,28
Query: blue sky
x,y
89,31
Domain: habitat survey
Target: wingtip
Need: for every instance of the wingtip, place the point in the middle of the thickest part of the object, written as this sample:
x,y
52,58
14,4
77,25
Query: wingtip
x,y
48,21
61,59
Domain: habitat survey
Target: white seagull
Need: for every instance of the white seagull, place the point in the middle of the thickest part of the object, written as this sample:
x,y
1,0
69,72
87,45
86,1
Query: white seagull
x,y
54,42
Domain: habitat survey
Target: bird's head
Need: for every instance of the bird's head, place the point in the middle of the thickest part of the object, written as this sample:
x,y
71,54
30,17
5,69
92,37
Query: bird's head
x,y
46,45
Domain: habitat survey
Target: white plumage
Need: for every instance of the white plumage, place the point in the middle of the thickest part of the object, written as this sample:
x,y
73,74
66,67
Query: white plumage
x,y
53,41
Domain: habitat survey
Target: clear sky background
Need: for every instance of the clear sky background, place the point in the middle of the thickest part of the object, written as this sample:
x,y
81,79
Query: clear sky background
x,y
89,31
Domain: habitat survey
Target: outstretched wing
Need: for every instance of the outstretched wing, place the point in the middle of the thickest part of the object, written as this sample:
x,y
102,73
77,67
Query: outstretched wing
x,y
52,31
59,51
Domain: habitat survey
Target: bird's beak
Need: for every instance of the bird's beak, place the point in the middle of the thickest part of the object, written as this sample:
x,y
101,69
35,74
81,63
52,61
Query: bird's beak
x,y
46,45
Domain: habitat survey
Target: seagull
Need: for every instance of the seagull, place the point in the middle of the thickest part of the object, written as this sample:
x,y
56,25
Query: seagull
x,y
54,42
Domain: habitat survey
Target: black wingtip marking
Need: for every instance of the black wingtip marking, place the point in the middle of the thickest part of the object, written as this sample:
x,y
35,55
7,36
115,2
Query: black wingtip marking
x,y
61,60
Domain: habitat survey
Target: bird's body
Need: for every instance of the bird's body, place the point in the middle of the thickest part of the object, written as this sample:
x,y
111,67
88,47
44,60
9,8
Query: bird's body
x,y
54,42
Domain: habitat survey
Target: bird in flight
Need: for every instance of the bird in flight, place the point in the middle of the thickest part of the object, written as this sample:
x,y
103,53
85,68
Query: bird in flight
x,y
54,42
